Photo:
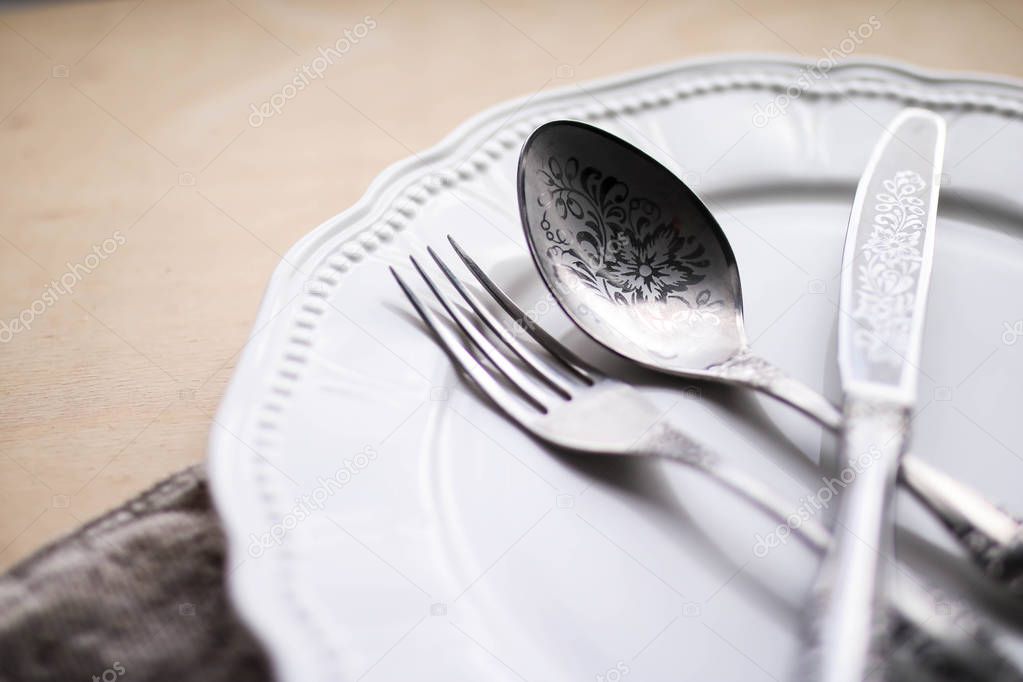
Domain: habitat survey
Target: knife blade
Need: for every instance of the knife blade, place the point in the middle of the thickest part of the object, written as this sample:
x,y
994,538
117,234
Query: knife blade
x,y
886,271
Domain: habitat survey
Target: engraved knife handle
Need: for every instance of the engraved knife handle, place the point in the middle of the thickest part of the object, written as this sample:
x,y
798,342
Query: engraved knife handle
x,y
846,613
992,537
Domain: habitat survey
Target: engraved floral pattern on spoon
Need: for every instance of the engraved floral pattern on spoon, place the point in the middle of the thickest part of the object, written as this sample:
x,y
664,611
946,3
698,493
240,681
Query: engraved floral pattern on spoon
x,y
622,247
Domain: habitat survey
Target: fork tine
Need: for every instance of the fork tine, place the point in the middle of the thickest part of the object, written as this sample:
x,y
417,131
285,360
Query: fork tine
x,y
570,360
516,376
452,345
541,367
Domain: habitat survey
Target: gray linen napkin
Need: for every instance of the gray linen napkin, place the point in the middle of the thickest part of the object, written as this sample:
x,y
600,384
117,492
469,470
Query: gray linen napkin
x,y
137,593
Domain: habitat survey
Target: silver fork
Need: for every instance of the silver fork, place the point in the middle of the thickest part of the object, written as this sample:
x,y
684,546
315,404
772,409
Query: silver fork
x,y
563,401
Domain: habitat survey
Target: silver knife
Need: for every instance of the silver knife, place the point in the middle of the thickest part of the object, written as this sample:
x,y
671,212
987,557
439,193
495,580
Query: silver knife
x,y
886,270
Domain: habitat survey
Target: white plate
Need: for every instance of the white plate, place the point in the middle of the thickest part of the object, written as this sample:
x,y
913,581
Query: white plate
x,y
456,548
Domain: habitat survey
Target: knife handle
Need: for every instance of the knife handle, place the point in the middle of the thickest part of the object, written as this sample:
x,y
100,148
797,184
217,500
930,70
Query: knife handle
x,y
846,621
991,536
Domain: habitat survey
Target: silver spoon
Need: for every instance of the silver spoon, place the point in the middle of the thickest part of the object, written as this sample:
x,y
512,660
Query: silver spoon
x,y
637,261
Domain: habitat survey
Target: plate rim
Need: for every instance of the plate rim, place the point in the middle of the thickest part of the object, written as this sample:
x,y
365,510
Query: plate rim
x,y
390,202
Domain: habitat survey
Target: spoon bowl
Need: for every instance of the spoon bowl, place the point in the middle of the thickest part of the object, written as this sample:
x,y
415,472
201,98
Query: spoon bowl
x,y
631,254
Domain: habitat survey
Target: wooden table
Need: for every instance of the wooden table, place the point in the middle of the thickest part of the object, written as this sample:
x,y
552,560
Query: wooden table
x,y
158,158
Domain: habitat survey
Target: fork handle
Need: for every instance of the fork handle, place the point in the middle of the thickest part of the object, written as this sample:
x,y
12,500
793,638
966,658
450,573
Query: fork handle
x,y
944,652
992,537
664,441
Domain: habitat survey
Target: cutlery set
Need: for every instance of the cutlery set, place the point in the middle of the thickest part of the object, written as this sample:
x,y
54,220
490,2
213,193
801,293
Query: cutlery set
x,y
641,266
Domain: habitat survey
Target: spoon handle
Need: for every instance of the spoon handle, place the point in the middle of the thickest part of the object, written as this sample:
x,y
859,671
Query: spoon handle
x,y
754,371
992,537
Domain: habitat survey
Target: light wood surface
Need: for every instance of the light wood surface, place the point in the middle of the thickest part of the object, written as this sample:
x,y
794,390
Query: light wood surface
x,y
142,210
